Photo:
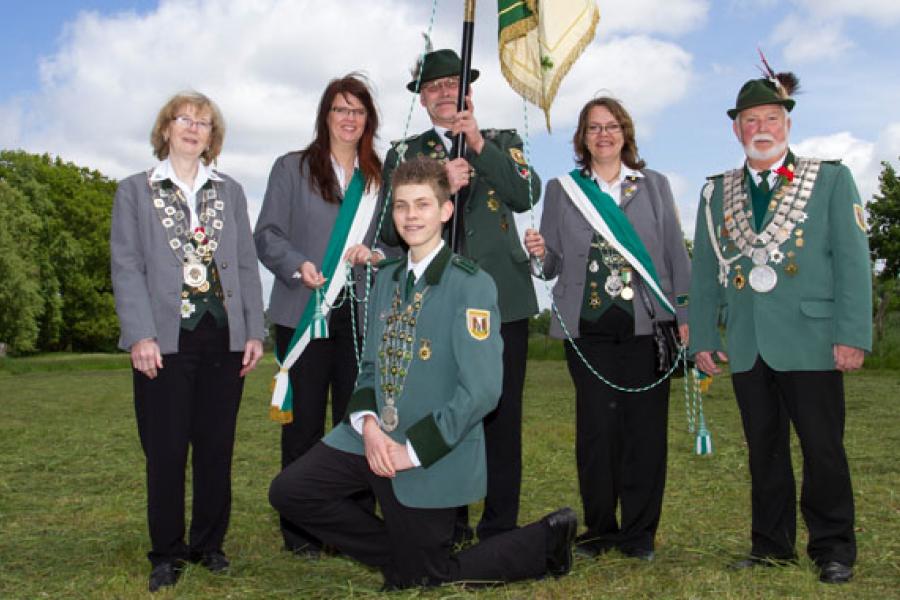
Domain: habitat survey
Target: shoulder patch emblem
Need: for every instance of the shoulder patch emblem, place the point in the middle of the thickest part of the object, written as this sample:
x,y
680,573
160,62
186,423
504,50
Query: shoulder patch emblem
x,y
860,214
518,155
478,322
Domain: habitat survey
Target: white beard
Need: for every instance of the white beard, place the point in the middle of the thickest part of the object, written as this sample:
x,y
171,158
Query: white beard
x,y
773,152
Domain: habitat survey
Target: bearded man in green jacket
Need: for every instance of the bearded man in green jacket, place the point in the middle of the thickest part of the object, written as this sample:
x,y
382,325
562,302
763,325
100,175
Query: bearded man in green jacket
x,y
781,259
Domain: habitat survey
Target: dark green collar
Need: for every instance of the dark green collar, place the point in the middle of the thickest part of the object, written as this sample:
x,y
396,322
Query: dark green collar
x,y
434,271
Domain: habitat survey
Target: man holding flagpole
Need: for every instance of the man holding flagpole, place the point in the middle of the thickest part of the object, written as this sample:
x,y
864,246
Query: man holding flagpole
x,y
492,181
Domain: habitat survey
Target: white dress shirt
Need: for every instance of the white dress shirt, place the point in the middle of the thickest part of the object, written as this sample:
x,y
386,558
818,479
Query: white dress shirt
x,y
165,170
358,418
773,176
614,189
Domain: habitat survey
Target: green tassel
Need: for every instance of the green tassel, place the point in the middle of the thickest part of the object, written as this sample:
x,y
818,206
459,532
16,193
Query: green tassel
x,y
704,439
319,327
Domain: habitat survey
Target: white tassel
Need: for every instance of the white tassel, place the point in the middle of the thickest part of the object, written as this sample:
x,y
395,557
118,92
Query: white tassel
x,y
280,388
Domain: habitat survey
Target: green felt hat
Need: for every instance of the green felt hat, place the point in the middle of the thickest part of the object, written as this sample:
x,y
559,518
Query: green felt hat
x,y
440,63
757,92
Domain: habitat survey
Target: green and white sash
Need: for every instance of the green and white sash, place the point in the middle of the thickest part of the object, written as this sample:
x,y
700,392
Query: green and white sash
x,y
353,220
608,220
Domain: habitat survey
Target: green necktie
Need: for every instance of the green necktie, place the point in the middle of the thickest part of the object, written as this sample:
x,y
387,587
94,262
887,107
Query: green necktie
x,y
764,181
410,284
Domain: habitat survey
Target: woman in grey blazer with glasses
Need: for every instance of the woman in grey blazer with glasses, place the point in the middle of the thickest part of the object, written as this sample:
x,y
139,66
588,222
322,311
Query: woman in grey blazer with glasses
x,y
189,300
607,306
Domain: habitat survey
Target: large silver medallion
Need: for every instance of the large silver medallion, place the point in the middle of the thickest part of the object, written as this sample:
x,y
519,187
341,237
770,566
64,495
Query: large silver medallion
x,y
389,417
613,285
763,278
194,271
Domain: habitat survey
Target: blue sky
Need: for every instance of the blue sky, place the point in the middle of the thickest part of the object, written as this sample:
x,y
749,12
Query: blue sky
x,y
84,79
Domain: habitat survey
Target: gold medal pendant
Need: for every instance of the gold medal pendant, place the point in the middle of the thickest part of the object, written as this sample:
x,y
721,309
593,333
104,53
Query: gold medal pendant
x,y
425,349
739,280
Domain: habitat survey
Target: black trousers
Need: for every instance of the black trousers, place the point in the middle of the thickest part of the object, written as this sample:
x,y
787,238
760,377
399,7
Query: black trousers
x,y
411,546
503,440
194,402
326,365
621,437
814,402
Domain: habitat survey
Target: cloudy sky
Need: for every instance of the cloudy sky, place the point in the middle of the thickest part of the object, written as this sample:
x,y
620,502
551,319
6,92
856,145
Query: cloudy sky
x,y
84,79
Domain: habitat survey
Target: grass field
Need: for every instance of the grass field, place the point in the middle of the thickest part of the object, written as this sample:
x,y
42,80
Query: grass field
x,y
72,511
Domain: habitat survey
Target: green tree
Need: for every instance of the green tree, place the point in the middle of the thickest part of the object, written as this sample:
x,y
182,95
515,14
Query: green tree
x,y
884,242
21,302
74,206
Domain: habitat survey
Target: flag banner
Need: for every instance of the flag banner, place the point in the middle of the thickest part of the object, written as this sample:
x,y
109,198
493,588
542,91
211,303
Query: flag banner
x,y
540,41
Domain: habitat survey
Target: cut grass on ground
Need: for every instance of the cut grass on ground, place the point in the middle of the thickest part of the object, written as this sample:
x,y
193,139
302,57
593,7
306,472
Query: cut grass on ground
x,y
73,516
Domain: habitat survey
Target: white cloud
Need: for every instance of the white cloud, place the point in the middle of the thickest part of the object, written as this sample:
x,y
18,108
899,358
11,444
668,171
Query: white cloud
x,y
685,202
859,156
672,17
631,69
810,40
101,90
880,12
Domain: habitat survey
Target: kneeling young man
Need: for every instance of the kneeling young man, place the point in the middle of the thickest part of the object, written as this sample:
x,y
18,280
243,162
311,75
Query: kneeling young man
x,y
432,369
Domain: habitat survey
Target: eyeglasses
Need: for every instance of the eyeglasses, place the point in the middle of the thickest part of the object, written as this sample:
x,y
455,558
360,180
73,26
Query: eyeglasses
x,y
610,128
187,122
344,111
449,83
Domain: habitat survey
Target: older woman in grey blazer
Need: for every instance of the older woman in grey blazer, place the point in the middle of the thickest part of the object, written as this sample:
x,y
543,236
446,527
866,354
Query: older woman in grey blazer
x,y
189,300
300,210
606,307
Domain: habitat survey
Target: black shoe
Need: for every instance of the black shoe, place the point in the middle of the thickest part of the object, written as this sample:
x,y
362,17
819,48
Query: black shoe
x,y
215,562
561,527
638,553
835,572
760,561
164,574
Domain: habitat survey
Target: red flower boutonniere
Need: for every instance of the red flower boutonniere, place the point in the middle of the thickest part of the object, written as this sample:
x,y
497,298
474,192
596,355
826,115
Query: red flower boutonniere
x,y
786,172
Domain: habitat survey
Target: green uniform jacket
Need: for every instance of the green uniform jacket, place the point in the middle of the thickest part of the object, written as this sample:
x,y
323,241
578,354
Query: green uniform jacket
x,y
498,189
827,301
445,396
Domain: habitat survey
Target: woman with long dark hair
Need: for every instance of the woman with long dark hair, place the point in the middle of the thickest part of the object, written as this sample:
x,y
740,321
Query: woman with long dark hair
x,y
610,232
319,212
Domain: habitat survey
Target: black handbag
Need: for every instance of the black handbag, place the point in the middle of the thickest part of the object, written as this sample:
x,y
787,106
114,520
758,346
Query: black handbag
x,y
665,339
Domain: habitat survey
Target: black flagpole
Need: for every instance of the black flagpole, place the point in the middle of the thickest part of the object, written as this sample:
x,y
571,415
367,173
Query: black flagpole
x,y
460,141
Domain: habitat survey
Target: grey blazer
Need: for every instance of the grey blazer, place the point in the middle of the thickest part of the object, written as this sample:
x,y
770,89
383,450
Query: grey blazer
x,y
567,236
294,226
147,276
